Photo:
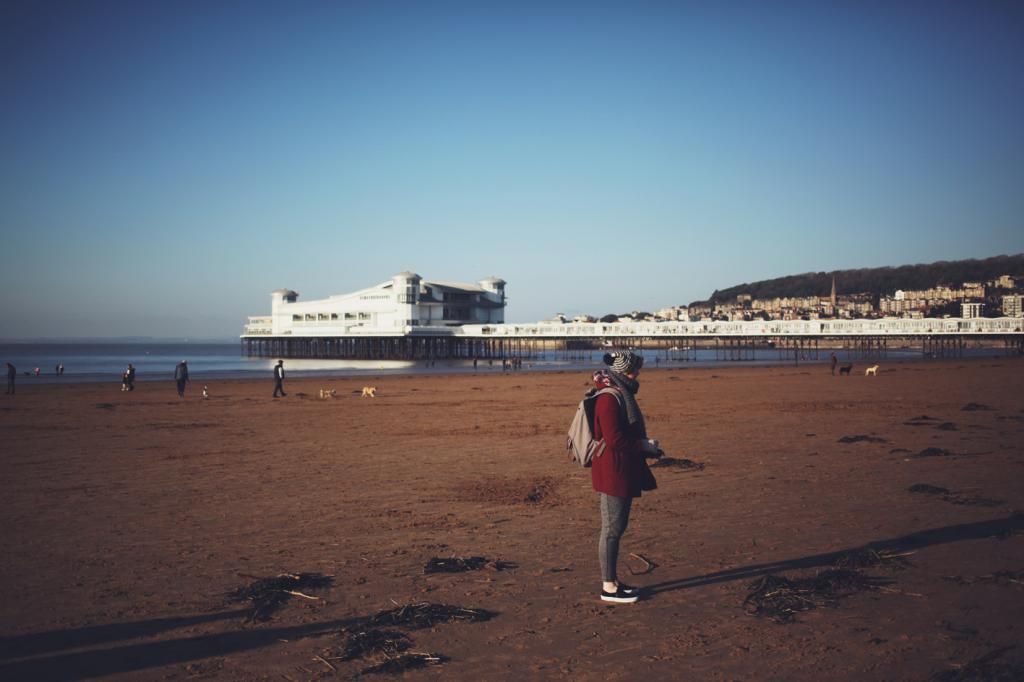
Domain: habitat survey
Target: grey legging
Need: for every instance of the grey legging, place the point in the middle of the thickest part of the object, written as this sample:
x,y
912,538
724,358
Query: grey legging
x,y
614,519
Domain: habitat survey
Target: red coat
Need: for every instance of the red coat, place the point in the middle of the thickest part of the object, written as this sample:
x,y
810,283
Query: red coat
x,y
621,470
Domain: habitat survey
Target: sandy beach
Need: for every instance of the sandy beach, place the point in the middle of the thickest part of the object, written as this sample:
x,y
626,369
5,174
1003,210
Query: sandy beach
x,y
130,517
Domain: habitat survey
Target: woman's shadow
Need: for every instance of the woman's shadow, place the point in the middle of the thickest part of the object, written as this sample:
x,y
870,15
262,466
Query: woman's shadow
x,y
936,536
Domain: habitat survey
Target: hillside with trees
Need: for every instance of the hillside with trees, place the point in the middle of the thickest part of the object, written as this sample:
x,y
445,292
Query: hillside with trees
x,y
876,281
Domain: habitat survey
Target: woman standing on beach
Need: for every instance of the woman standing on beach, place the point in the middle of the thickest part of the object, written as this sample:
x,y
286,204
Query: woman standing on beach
x,y
621,472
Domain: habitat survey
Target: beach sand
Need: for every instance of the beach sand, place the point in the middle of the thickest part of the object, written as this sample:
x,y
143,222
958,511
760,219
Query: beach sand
x,y
128,517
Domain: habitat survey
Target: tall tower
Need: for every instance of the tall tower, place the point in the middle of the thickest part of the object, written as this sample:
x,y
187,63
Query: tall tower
x,y
833,292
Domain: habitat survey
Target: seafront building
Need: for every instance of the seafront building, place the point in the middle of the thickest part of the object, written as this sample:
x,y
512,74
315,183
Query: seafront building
x,y
401,305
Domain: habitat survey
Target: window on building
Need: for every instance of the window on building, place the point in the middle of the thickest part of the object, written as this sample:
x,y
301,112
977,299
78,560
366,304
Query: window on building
x,y
296,318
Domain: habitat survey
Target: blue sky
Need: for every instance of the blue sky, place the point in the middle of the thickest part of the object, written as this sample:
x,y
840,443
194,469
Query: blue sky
x,y
165,165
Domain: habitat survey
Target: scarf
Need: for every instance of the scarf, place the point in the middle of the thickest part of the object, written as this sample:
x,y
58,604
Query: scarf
x,y
627,389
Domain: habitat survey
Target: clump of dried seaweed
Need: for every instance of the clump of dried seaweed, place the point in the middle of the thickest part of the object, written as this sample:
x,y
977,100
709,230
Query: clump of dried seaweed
x,y
928,489
955,498
862,438
983,669
365,642
921,420
409,661
455,564
269,594
1008,578
934,452
682,463
460,565
425,615
871,558
782,598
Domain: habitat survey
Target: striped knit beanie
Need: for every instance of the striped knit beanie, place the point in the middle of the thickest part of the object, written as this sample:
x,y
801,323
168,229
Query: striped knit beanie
x,y
624,361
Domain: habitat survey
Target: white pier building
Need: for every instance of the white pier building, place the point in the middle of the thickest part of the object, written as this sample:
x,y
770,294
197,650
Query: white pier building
x,y
405,304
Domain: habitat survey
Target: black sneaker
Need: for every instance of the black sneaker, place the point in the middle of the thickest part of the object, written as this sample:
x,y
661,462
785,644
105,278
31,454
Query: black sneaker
x,y
619,596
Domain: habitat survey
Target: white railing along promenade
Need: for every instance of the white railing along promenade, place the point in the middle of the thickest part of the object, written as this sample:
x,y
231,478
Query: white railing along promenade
x,y
888,326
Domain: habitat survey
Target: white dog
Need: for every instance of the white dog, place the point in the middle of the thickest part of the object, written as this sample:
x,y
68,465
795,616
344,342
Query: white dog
x,y
369,392
206,393
872,371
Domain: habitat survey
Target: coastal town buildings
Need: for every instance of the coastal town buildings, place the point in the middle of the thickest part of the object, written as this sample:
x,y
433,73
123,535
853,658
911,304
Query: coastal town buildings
x,y
1012,305
937,301
971,310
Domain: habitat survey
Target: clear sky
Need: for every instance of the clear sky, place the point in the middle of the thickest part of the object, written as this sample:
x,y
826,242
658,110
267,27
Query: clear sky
x,y
164,166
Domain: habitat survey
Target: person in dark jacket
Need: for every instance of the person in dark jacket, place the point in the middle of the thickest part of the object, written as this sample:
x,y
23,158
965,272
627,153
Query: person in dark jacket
x,y
279,379
11,374
621,472
181,377
128,379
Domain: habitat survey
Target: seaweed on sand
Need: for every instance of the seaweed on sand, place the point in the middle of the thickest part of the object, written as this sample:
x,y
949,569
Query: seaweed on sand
x,y
934,452
1006,578
862,438
672,462
425,615
459,565
364,642
928,489
780,598
269,594
409,661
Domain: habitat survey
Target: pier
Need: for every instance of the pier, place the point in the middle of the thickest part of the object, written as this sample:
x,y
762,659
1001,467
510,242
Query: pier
x,y
680,341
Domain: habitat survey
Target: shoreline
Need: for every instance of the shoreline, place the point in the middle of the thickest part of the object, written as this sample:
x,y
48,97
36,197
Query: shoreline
x,y
464,368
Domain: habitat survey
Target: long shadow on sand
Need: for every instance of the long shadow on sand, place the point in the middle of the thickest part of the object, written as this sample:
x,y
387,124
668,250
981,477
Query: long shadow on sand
x,y
26,646
81,665
924,538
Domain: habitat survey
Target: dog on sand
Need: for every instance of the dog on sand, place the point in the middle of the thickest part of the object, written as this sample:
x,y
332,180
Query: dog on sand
x,y
326,393
369,392
871,371
206,393
845,369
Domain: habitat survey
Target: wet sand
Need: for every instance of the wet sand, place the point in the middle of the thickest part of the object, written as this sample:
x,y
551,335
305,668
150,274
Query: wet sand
x,y
128,518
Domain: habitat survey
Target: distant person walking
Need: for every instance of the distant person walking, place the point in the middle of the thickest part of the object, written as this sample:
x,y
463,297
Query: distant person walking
x,y
835,361
279,379
128,379
12,372
181,377
60,369
621,472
